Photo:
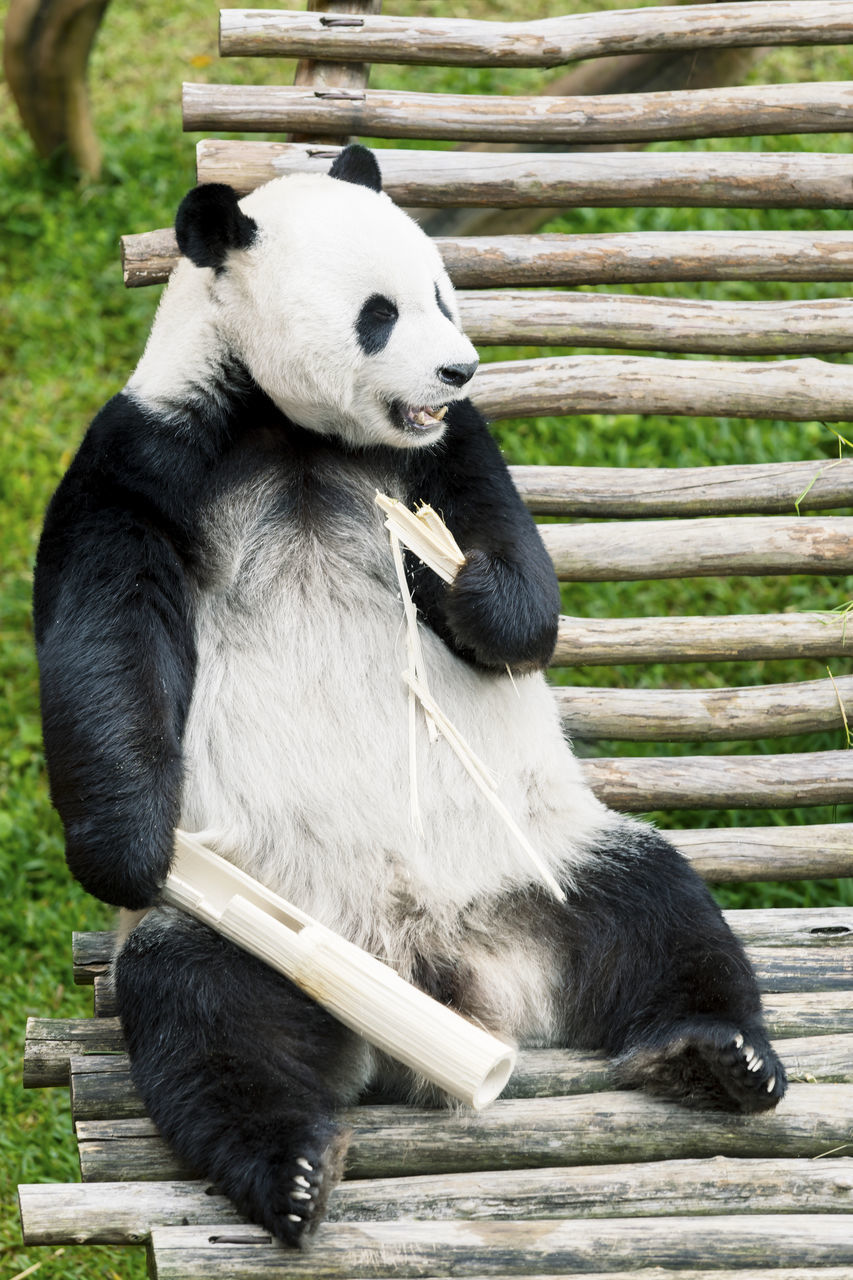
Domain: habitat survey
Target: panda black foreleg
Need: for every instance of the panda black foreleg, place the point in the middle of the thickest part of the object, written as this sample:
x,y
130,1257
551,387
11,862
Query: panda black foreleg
x,y
241,1071
656,978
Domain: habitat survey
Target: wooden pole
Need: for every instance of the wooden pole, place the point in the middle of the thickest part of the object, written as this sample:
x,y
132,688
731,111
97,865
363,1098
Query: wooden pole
x,y
330,113
548,42
629,258
759,180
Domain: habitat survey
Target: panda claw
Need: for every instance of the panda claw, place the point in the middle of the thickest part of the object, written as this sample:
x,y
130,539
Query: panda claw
x,y
303,1164
293,1217
300,1195
771,1084
302,1182
738,1041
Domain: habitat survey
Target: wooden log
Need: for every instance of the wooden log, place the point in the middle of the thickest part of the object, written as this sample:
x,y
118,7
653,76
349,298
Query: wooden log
x,y
331,111
101,1087
738,637
608,258
706,715
793,780
750,179
417,1249
702,547
333,77
125,1213
729,854
546,319
793,1014
548,42
91,954
602,1128
50,1042
797,390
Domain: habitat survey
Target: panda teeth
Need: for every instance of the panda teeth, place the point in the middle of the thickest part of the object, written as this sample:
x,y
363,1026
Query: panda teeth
x,y
439,413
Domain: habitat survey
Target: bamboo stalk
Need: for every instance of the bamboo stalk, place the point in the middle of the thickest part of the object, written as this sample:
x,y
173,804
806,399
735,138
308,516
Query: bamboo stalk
x,y
366,995
796,390
608,258
700,547
125,1213
706,715
331,111
794,780
544,43
760,180
538,318
780,488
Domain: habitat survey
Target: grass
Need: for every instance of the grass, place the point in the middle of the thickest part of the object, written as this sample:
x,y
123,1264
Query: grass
x,y
70,336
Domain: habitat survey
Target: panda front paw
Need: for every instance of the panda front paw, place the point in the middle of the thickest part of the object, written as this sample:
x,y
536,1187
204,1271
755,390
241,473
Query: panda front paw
x,y
502,616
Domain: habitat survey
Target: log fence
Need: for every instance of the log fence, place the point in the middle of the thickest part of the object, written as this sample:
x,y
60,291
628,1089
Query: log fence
x,y
549,42
588,120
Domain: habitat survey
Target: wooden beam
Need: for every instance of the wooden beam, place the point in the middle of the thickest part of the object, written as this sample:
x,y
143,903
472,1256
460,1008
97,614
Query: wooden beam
x,y
707,715
743,179
727,854
795,780
774,488
700,548
583,1129
125,1213
330,111
796,390
548,42
609,258
505,317
101,1087
318,77
732,638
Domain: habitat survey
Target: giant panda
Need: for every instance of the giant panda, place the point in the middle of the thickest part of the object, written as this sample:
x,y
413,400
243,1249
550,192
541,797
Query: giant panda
x,y
219,634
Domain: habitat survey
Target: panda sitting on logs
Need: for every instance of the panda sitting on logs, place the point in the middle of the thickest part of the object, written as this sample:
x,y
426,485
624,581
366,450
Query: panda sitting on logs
x,y
219,634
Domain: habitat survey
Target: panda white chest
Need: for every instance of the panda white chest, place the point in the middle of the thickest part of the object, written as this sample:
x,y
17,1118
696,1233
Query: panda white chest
x,y
297,741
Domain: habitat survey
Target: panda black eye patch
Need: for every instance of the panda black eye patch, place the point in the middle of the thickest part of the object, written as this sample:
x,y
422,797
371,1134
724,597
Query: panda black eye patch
x,y
376,319
442,305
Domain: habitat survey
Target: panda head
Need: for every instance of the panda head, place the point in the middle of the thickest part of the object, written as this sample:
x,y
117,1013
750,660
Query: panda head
x,y
334,300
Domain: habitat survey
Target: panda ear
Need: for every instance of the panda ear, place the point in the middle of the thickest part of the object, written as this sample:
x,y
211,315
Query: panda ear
x,y
358,165
209,223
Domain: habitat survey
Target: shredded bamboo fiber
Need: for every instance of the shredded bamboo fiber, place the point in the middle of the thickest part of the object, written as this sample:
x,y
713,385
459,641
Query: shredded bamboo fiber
x,y
428,537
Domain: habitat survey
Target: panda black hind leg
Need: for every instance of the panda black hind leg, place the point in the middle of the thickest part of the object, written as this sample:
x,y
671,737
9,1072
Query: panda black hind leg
x,y
656,978
241,1072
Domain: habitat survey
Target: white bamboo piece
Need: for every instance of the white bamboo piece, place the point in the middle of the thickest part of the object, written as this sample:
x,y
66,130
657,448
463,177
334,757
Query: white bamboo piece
x,y
362,992
428,537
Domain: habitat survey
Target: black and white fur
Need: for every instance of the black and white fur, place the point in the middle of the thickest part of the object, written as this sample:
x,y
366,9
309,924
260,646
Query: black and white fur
x,y
220,643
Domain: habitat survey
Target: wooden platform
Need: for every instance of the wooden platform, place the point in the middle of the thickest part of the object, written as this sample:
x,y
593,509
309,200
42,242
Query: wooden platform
x,y
566,1174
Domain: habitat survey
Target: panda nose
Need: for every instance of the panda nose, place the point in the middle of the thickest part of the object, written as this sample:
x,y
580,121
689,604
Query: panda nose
x,y
456,375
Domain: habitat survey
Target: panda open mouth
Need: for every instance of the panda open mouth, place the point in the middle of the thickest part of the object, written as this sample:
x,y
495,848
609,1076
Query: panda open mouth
x,y
417,417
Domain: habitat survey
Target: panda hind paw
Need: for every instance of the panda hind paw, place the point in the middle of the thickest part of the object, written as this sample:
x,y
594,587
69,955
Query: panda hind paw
x,y
290,1199
715,1065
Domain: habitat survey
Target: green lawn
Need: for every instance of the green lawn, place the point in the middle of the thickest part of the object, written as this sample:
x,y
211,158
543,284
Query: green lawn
x,y
70,337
